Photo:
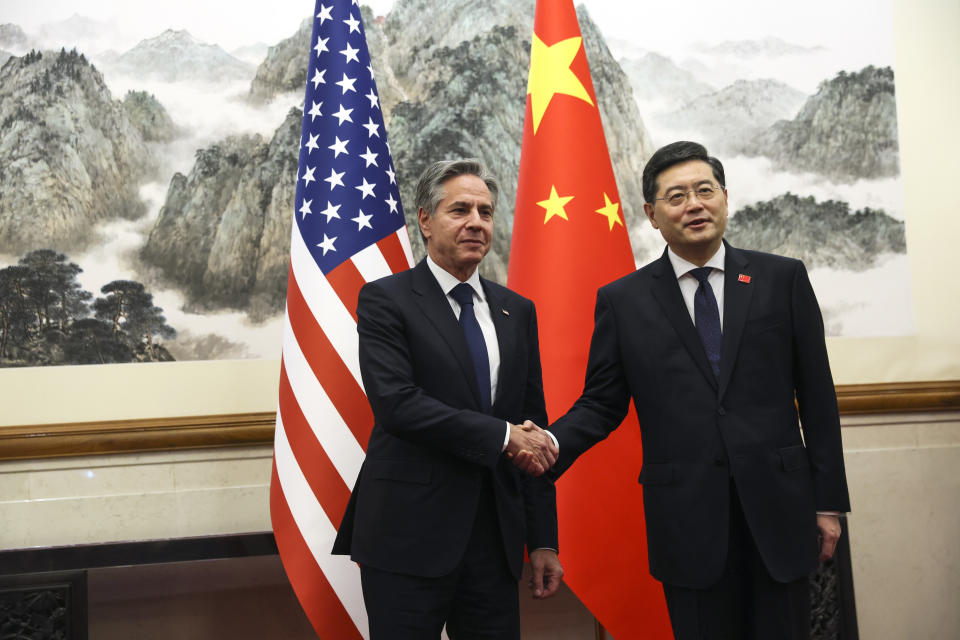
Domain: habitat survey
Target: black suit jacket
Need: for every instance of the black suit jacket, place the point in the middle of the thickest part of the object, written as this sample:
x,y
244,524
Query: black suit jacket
x,y
698,430
416,497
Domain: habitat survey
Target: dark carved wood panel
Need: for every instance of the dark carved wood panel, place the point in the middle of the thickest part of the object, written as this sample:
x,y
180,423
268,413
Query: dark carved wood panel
x,y
44,606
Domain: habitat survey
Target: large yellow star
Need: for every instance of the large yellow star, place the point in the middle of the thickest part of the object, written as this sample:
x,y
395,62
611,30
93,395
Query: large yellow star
x,y
550,74
610,210
554,205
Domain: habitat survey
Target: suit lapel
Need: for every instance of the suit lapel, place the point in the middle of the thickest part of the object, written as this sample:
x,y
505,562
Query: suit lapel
x,y
433,302
505,325
736,303
667,292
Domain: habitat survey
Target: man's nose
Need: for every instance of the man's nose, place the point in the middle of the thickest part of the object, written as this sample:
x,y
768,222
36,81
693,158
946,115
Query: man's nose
x,y
693,202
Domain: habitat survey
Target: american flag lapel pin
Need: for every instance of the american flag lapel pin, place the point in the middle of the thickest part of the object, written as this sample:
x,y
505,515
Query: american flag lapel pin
x,y
744,278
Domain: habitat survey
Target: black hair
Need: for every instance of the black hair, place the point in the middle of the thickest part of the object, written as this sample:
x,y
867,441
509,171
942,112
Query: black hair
x,y
674,154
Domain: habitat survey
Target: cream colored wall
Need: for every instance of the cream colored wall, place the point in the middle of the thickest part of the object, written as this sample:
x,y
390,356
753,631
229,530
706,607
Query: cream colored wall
x,y
905,524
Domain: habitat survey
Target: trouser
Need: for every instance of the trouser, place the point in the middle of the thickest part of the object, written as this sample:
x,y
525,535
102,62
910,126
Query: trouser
x,y
478,600
746,604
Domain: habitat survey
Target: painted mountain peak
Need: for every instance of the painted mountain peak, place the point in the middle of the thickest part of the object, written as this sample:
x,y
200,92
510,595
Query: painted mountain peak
x,y
177,56
822,234
218,210
13,38
70,156
767,47
733,116
845,132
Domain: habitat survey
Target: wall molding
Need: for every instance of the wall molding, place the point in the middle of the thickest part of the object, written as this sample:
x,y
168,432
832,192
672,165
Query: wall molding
x,y
248,429
898,397
134,436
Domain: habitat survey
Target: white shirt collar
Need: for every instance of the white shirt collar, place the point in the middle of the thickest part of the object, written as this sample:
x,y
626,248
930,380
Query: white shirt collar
x,y
448,281
681,267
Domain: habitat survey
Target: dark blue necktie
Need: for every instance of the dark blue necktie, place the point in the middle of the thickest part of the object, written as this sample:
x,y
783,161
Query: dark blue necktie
x,y
463,294
706,315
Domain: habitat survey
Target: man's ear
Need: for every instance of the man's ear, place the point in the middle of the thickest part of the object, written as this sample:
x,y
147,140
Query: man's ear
x,y
648,209
423,218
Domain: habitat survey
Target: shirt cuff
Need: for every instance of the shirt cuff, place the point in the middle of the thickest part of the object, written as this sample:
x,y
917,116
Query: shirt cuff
x,y
506,439
830,513
554,438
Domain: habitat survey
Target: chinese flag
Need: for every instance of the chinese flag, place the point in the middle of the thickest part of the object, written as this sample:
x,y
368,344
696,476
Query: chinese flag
x,y
569,239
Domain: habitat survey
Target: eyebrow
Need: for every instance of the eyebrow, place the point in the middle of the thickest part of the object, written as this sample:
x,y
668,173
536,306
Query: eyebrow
x,y
694,186
463,203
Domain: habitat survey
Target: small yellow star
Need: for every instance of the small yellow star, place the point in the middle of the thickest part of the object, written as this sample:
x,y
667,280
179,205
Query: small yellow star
x,y
550,74
554,205
610,210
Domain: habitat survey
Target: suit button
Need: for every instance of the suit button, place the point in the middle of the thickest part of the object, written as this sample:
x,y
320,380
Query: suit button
x,y
722,411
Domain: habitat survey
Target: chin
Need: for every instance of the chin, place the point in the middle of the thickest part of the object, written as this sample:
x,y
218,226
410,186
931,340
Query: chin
x,y
474,256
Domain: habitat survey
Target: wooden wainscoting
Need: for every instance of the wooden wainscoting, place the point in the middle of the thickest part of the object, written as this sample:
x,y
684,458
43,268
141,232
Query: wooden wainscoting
x,y
246,429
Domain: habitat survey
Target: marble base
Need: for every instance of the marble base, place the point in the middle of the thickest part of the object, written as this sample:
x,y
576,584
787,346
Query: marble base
x,y
134,497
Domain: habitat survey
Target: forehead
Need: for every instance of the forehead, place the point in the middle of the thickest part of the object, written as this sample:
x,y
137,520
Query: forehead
x,y
685,174
465,188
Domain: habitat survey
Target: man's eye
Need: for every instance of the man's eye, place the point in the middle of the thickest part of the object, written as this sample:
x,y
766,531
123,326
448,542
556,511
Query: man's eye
x,y
677,198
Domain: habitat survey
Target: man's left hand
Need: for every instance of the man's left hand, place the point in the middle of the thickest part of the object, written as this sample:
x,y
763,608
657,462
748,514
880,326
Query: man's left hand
x,y
829,526
546,574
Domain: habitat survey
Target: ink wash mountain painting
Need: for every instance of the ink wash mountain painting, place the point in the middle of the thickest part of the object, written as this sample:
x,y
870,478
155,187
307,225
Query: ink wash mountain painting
x,y
148,154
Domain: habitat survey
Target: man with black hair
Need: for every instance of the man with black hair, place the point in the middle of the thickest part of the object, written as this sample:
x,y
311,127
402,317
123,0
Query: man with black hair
x,y
722,351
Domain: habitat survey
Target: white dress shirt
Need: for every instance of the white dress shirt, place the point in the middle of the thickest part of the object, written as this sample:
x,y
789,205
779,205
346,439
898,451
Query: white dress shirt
x,y
689,284
481,309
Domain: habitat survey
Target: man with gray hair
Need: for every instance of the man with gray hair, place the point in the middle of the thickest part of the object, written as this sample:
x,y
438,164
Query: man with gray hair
x,y
452,485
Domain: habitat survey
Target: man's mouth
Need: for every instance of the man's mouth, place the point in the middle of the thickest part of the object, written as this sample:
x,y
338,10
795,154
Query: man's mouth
x,y
697,223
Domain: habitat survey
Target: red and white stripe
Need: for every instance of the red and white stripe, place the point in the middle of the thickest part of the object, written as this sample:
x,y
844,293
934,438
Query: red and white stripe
x,y
323,425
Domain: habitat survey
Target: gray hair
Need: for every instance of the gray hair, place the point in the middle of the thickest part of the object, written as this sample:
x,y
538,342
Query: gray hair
x,y
430,186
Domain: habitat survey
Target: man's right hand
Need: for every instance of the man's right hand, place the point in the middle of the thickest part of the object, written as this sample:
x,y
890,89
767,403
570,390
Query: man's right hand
x,y
531,449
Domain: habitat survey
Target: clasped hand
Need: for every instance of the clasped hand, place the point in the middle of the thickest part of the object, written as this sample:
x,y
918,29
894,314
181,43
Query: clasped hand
x,y
531,449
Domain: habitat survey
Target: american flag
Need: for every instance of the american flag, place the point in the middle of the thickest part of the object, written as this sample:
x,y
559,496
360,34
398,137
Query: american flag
x,y
349,230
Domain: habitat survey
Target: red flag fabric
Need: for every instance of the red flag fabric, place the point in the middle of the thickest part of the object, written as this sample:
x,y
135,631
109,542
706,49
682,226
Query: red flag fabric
x,y
569,239
348,229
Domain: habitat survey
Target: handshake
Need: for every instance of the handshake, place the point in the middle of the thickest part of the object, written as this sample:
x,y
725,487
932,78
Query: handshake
x,y
531,449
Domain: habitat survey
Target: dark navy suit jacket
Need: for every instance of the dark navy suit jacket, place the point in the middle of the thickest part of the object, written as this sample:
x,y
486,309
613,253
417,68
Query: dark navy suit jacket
x,y
698,431
413,507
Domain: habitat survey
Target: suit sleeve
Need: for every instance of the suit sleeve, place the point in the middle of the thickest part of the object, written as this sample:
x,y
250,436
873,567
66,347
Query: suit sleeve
x,y
400,406
605,399
816,398
539,494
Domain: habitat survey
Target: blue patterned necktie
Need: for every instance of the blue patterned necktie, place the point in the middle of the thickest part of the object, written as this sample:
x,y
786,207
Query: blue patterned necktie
x,y
463,294
706,316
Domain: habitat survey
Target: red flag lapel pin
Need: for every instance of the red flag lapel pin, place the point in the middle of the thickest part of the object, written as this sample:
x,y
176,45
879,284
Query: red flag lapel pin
x,y
744,278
